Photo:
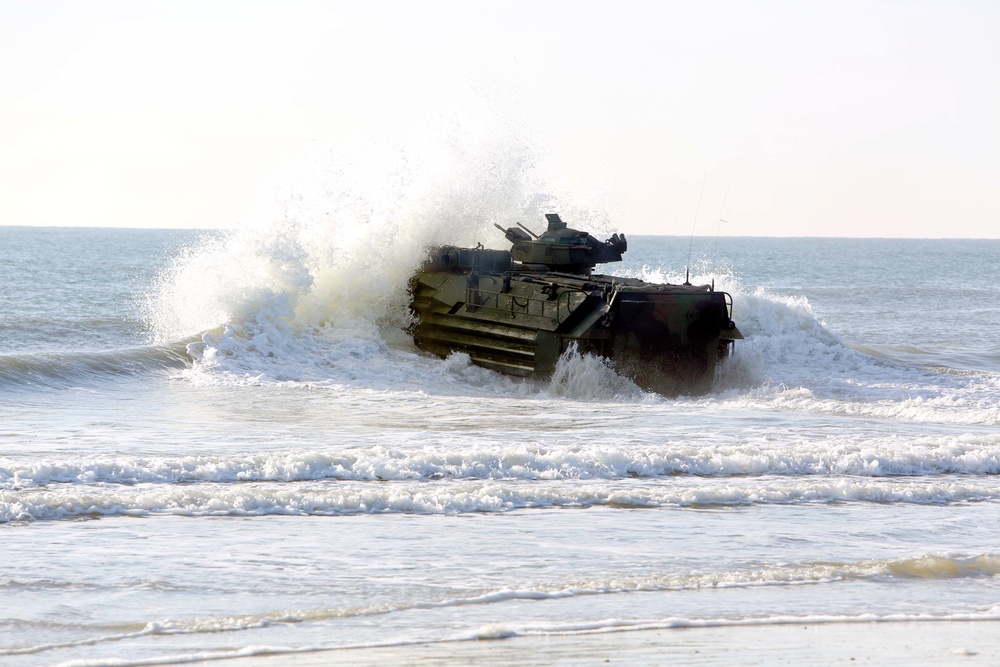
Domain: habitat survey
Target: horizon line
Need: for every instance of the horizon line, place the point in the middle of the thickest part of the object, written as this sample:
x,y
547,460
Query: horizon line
x,y
682,236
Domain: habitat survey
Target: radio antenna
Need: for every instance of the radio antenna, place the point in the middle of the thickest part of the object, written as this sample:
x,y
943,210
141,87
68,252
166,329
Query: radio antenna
x,y
687,272
715,250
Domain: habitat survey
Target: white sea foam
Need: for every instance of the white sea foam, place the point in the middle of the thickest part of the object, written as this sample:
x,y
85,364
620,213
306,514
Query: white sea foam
x,y
508,630
967,454
622,625
459,497
581,376
791,361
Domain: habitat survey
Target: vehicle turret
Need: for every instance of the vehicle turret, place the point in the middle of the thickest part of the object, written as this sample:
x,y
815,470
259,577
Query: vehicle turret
x,y
561,248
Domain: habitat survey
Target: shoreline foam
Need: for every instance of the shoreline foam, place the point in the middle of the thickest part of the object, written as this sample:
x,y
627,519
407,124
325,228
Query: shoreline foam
x,y
805,644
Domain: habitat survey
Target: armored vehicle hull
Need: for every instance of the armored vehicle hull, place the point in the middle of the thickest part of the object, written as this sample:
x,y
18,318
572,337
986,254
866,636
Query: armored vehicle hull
x,y
519,318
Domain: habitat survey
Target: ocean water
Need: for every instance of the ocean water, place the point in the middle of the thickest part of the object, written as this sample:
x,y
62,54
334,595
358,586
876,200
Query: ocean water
x,y
222,444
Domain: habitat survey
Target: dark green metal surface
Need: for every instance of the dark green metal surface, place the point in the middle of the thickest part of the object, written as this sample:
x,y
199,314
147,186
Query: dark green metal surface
x,y
518,311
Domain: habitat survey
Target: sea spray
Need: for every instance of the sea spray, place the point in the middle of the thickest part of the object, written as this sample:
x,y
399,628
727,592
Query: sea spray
x,y
587,377
329,264
314,288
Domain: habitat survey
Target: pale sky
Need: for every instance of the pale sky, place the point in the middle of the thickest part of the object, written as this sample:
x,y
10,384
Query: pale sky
x,y
834,118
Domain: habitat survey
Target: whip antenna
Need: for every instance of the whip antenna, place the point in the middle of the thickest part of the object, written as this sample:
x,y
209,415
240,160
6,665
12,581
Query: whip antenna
x,y
687,272
715,250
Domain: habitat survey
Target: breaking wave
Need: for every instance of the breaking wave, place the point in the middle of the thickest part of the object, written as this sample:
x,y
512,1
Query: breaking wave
x,y
904,457
446,480
64,369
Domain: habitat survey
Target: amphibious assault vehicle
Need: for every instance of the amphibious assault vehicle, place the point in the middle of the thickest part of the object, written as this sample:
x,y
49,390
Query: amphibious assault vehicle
x,y
518,310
